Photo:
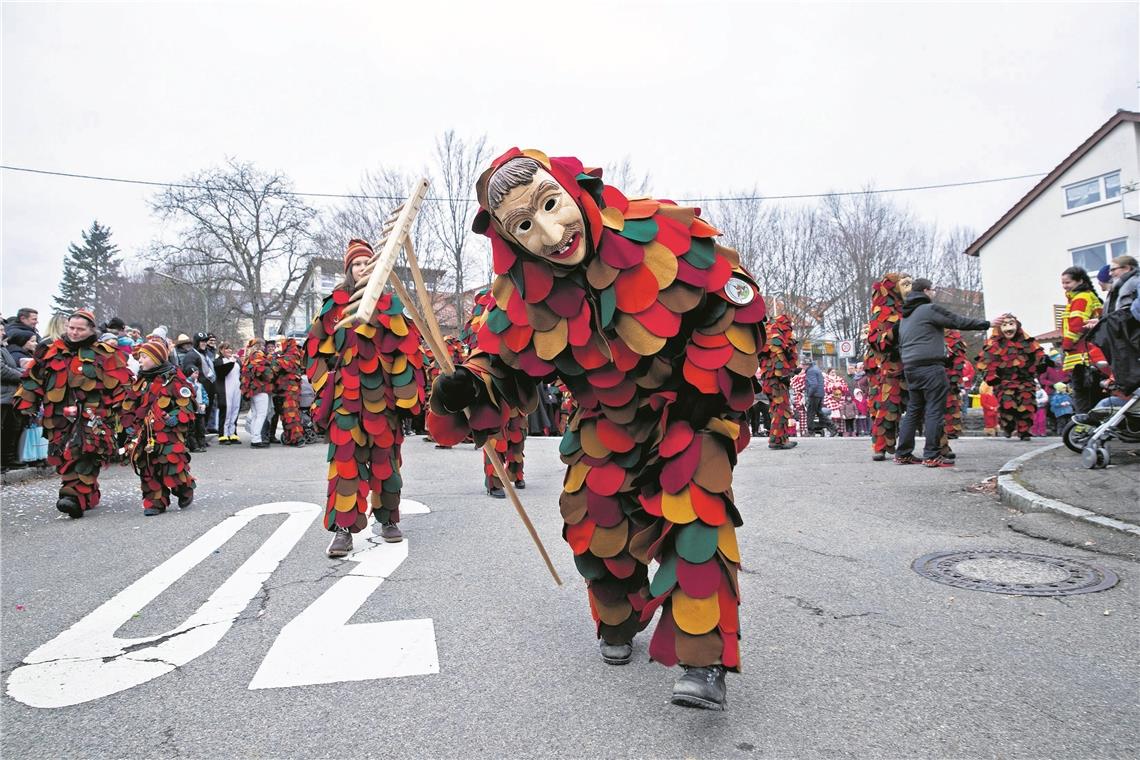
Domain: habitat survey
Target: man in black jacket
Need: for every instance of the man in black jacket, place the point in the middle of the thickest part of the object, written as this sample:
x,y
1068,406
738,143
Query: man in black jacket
x,y
922,346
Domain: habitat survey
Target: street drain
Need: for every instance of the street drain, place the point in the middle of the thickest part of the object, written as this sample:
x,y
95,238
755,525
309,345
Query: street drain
x,y
1002,571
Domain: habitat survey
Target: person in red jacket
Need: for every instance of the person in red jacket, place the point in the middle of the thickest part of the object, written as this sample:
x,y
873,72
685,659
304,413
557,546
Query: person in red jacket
x,y
80,383
158,412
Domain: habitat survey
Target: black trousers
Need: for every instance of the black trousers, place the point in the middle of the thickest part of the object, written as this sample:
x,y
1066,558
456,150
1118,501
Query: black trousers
x,y
1086,388
928,388
817,417
11,425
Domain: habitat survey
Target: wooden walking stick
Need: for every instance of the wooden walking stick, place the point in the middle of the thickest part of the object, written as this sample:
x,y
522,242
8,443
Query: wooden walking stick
x,y
362,305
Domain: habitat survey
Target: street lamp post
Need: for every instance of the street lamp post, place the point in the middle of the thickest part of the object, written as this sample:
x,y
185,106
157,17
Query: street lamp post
x,y
201,291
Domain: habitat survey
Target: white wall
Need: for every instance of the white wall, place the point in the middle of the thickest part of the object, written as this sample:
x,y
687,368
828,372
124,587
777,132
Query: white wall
x,y
1022,264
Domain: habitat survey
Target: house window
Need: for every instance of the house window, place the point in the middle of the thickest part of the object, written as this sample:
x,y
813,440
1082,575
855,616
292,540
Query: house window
x,y
1093,257
328,281
1105,187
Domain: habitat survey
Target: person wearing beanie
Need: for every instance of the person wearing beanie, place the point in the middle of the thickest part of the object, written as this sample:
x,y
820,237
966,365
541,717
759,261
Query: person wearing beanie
x,y
1104,279
80,384
158,412
922,349
365,376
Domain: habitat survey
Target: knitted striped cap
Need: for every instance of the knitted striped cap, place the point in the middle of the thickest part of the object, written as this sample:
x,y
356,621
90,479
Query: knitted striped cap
x,y
357,248
85,313
156,349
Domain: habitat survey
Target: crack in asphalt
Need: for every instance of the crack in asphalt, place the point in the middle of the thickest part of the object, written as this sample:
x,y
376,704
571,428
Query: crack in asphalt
x,y
815,609
843,557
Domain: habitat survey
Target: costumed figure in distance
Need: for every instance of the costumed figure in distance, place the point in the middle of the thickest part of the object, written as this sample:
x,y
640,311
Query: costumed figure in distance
x,y
882,363
1010,361
777,366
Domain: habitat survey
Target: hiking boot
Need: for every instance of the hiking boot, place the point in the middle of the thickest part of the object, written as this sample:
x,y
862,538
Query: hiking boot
x,y
185,498
700,687
341,543
782,446
879,456
520,484
391,533
907,459
938,461
70,507
615,654
497,493
152,511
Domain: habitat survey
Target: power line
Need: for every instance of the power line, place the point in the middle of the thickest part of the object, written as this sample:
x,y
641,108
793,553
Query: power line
x,y
726,198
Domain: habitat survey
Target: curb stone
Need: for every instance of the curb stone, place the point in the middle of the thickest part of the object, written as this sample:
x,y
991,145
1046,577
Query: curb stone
x,y
1016,495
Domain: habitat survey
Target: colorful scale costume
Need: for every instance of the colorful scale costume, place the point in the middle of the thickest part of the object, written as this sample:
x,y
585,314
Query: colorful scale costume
x,y
80,386
159,410
287,384
1010,365
378,370
777,366
511,445
257,374
882,364
656,335
955,373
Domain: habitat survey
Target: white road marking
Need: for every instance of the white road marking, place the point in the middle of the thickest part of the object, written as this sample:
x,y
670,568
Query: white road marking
x,y
318,646
87,661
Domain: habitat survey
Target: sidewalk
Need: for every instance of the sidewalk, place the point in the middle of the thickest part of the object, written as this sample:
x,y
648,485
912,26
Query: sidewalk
x,y
1054,479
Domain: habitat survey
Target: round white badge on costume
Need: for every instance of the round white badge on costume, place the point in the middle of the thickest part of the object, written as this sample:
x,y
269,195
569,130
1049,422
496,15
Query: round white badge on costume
x,y
739,291
185,392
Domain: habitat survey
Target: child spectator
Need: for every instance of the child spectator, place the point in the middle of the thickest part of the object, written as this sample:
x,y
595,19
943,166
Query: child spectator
x,y
862,409
1042,399
989,409
1062,405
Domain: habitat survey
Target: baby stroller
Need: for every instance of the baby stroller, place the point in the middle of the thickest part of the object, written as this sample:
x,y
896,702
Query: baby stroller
x,y
1117,417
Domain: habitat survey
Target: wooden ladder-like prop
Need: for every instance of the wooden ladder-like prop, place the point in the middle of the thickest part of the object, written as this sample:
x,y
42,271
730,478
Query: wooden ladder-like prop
x,y
396,235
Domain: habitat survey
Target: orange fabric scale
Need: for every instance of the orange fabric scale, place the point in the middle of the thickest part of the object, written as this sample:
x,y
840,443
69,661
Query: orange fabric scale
x,y
655,333
377,371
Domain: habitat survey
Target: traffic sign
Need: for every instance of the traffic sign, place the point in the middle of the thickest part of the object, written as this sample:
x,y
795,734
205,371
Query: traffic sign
x,y
846,348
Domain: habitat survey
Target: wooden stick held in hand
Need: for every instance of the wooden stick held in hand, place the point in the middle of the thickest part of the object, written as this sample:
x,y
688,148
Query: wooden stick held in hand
x,y
430,331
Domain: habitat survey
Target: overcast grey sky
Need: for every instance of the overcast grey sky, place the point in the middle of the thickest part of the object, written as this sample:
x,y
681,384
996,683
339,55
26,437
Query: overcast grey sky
x,y
709,98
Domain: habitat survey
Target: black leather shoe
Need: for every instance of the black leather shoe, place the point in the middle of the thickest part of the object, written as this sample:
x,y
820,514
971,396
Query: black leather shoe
x,y
615,654
497,493
520,484
186,498
152,511
878,456
782,446
701,687
69,507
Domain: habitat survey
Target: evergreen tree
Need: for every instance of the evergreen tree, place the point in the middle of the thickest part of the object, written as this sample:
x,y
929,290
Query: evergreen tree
x,y
90,274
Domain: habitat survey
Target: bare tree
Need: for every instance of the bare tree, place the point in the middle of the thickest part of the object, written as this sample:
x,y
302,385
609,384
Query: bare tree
x,y
241,229
458,165
624,177
865,236
778,246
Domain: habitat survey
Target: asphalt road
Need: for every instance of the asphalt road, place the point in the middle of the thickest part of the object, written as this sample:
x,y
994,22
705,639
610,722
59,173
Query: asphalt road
x,y
847,651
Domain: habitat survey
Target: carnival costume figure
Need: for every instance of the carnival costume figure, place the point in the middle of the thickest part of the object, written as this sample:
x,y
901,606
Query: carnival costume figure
x,y
365,376
257,385
882,363
778,361
158,413
956,367
80,383
655,330
1010,361
511,444
287,384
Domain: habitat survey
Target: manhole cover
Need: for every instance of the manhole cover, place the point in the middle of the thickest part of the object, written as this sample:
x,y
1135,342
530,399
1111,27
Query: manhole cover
x,y
1002,571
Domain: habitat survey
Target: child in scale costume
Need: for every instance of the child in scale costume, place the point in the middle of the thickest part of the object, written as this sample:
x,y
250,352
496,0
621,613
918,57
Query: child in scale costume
x,y
1010,361
655,330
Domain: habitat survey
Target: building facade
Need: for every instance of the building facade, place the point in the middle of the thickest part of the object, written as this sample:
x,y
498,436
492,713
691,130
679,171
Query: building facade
x,y
1082,213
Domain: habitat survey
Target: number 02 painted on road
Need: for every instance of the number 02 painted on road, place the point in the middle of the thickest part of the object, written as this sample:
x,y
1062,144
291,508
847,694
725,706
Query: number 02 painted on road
x,y
87,661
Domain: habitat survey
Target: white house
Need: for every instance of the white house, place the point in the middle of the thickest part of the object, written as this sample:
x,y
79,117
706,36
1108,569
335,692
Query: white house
x,y
1082,213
